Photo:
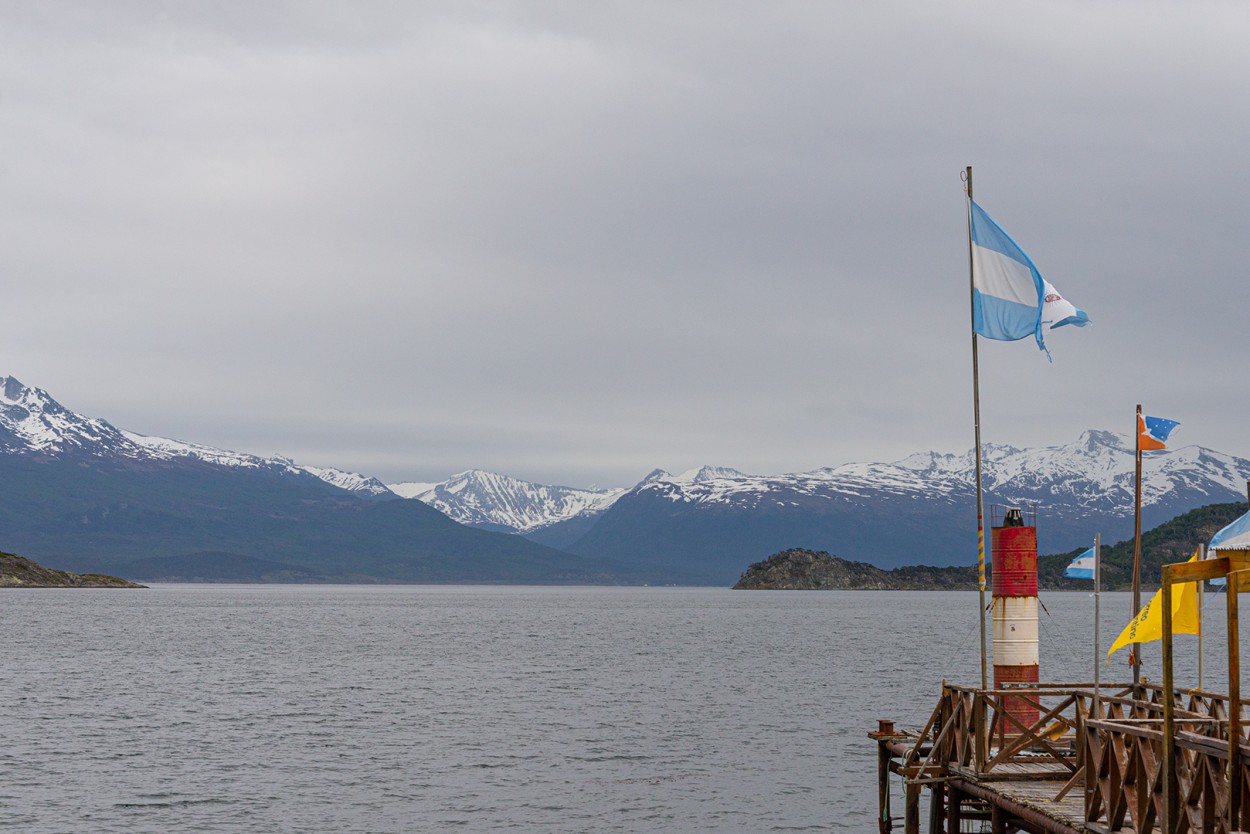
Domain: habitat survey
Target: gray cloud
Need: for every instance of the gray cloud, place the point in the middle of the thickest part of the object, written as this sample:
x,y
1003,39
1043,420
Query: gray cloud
x,y
573,242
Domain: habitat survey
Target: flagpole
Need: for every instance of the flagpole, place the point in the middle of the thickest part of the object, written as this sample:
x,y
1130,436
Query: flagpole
x,y
1137,543
976,424
1097,617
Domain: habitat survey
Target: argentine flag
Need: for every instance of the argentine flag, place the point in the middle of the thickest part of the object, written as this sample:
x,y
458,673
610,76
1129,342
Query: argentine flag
x,y
1010,299
1082,566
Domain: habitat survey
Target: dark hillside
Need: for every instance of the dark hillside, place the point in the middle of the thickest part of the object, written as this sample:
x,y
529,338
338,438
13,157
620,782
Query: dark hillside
x,y
1172,541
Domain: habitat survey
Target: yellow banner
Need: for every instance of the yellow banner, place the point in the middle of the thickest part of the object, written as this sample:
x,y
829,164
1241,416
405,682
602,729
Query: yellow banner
x,y
1148,624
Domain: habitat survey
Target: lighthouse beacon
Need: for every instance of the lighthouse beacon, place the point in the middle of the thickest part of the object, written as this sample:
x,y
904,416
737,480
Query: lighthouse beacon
x,y
1013,543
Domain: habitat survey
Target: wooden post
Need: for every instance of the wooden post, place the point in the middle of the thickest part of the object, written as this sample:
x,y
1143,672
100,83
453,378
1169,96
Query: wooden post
x,y
937,800
998,819
911,820
1137,423
982,753
884,823
953,801
1169,729
1233,588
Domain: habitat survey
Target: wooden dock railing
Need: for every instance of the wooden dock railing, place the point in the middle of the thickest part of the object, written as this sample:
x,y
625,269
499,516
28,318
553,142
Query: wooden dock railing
x,y
1124,745
1091,761
1146,757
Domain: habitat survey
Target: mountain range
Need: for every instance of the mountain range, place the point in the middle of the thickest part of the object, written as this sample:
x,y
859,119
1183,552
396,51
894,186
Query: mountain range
x,y
80,494
77,493
918,510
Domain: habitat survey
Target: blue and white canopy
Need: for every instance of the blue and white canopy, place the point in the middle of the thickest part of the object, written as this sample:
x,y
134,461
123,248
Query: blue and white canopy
x,y
1235,536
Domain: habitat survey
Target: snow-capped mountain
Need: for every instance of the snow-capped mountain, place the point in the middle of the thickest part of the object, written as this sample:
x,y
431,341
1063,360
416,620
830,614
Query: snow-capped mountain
x,y
920,509
80,494
710,485
80,485
32,422
1095,474
498,502
914,509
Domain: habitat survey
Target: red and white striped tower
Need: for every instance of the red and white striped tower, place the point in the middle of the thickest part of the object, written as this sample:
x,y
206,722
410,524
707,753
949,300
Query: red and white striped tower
x,y
1014,607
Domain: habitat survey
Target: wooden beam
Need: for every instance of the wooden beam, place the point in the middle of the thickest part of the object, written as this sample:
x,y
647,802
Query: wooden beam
x,y
1194,571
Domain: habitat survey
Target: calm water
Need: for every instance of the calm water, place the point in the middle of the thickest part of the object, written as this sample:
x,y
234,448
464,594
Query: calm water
x,y
366,709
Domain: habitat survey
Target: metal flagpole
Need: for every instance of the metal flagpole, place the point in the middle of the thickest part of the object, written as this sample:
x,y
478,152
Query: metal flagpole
x,y
1137,545
976,423
1097,613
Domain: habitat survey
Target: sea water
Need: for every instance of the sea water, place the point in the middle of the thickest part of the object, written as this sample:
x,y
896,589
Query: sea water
x,y
411,709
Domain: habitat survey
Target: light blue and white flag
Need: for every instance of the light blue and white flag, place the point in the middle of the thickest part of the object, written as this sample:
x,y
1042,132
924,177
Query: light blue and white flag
x,y
1082,566
1010,299
1235,535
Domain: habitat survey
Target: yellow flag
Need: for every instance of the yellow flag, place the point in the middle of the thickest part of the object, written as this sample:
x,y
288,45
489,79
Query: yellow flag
x,y
1148,624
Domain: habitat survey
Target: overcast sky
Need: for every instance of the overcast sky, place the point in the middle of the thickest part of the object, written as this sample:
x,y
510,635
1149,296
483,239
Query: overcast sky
x,y
573,242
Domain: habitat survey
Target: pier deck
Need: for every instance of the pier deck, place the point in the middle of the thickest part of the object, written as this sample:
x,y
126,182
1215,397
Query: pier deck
x,y
1091,761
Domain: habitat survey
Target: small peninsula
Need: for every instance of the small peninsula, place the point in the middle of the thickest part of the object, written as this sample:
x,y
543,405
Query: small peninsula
x,y
807,570
20,572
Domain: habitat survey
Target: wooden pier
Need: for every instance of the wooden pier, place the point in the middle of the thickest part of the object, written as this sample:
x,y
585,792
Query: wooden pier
x,y
1116,759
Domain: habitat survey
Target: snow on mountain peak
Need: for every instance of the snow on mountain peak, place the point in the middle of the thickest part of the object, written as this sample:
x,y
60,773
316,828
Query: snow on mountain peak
x,y
1094,473
412,489
31,421
350,481
488,499
703,474
166,449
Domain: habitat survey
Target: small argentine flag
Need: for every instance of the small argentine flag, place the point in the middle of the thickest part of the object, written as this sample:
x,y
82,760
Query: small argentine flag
x,y
1082,566
1010,299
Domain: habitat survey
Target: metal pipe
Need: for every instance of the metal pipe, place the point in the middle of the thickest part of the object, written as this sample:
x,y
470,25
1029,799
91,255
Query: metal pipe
x,y
1023,812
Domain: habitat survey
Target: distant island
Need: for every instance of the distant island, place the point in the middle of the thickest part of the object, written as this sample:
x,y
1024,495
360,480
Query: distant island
x,y
808,570
20,572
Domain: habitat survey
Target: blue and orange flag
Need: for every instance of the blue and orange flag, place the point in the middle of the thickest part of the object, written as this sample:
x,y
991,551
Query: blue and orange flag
x,y
1153,431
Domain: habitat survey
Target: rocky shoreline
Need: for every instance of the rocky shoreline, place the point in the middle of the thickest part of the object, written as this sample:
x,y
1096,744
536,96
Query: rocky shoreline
x,y
20,572
807,570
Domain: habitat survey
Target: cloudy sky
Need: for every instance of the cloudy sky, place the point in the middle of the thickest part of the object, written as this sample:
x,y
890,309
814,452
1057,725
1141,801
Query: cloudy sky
x,y
573,242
